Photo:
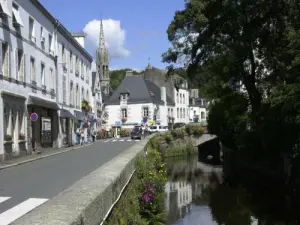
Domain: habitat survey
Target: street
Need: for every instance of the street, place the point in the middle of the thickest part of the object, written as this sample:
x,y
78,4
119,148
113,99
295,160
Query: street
x,y
25,187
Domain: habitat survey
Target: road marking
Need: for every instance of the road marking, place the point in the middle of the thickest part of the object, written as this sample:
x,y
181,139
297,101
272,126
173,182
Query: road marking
x,y
106,141
3,199
129,140
121,140
16,212
114,140
136,140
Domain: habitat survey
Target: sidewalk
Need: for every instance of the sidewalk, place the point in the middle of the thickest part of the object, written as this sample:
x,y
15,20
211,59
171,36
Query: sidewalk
x,y
46,152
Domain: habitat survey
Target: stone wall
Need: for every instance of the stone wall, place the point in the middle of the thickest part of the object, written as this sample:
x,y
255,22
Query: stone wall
x,y
89,200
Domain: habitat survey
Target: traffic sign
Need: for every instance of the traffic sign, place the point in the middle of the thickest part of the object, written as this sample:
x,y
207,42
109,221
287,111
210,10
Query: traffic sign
x,y
34,116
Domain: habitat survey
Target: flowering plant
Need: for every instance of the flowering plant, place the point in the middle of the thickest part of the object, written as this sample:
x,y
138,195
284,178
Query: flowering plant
x,y
148,194
124,119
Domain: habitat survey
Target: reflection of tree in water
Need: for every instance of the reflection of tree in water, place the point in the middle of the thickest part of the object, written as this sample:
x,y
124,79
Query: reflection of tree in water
x,y
227,207
183,168
236,206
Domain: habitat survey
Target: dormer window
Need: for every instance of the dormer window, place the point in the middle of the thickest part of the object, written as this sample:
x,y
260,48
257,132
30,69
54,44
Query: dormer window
x,y
124,95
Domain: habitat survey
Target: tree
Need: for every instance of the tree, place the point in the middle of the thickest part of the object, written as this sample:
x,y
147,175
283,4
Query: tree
x,y
255,43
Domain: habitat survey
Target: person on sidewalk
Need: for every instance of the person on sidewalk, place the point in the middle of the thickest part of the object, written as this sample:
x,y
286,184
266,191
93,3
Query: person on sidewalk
x,y
93,135
82,136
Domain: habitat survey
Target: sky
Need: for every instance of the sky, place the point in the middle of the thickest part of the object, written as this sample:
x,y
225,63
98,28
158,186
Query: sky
x,y
135,30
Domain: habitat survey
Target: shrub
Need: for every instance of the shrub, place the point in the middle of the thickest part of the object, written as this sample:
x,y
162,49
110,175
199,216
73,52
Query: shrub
x,y
195,130
124,133
7,137
168,138
178,133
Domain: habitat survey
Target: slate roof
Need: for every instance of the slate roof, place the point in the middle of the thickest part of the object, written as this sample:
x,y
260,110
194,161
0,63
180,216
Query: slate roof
x,y
140,89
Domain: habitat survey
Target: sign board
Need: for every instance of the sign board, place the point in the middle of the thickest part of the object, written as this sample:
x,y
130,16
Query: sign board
x,y
34,116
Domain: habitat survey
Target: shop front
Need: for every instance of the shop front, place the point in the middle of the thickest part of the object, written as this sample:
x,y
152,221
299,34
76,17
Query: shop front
x,y
78,125
43,131
66,122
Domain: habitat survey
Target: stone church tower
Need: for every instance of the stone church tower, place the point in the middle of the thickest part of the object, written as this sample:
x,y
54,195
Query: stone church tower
x,y
102,63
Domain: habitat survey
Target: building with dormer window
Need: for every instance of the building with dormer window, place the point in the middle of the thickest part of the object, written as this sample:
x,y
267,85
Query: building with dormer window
x,y
136,101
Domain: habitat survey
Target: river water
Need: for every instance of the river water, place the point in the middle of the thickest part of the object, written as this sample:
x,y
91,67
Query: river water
x,y
195,195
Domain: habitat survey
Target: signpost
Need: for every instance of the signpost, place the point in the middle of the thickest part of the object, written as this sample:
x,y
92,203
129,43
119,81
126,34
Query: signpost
x,y
34,116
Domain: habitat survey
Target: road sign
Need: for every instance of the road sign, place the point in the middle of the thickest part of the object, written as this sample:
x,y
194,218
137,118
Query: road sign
x,y
34,117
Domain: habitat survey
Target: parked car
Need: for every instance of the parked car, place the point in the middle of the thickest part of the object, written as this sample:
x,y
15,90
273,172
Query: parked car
x,y
136,133
158,128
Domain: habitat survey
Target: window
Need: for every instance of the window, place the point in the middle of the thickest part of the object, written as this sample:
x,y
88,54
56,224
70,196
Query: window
x,y
145,112
172,113
82,93
177,112
32,69
77,66
17,21
177,98
31,29
77,96
87,75
82,70
63,54
180,101
52,79
183,113
183,96
64,89
202,115
43,74
51,45
124,113
71,62
5,59
71,94
20,65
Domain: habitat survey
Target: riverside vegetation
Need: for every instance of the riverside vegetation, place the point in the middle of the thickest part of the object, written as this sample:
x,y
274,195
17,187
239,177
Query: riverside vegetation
x,y
143,201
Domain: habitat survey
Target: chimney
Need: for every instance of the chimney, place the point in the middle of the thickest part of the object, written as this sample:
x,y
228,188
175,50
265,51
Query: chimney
x,y
163,94
129,73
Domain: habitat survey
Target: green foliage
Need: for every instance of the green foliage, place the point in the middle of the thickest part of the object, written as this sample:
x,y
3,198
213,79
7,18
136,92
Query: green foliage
x,y
150,171
178,133
194,130
124,133
168,138
253,43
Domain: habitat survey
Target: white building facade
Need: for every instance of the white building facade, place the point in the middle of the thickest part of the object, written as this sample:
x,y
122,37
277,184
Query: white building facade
x,y
33,71
137,101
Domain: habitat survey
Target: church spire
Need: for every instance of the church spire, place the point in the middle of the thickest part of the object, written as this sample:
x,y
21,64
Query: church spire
x,y
101,37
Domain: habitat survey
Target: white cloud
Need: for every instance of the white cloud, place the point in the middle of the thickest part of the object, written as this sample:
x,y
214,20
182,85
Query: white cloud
x,y
114,37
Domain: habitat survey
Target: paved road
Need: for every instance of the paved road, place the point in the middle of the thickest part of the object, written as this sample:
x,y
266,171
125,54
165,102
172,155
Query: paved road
x,y
25,187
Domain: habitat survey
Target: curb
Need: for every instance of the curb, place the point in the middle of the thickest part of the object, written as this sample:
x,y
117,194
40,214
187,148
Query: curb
x,y
41,157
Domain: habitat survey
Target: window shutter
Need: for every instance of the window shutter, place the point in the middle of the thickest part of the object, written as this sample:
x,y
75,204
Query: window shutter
x,y
24,67
9,53
17,65
6,62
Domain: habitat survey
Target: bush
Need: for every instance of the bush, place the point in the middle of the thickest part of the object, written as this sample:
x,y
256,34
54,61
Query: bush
x,y
195,130
124,133
178,133
143,202
168,138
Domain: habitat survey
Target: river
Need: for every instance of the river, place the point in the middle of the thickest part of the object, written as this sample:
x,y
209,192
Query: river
x,y
196,195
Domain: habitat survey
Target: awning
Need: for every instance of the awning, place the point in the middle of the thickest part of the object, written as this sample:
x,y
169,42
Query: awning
x,y
17,16
66,114
5,8
32,100
79,115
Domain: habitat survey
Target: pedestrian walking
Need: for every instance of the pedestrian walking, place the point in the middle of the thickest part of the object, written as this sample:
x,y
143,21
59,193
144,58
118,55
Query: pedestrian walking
x,y
93,135
82,136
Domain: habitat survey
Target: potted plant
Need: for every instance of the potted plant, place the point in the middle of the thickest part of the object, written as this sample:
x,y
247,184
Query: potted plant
x,y
124,119
21,136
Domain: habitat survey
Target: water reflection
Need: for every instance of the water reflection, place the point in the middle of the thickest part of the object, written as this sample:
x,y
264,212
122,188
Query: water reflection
x,y
195,195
